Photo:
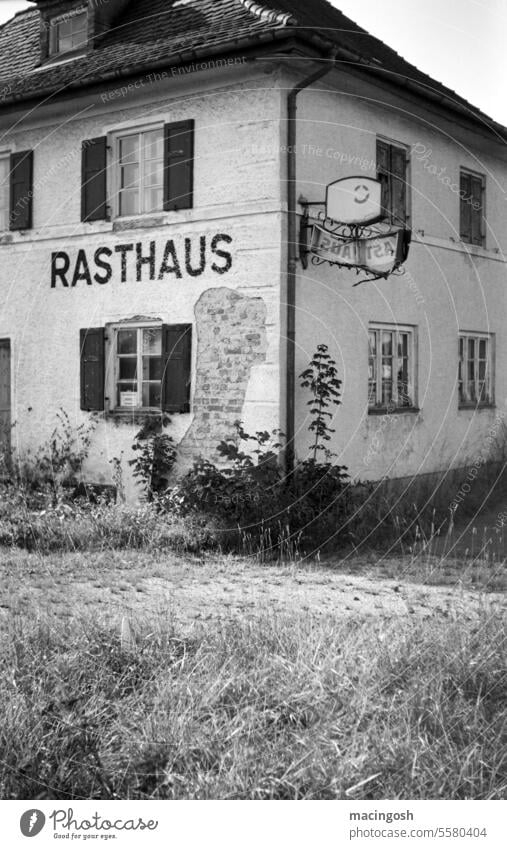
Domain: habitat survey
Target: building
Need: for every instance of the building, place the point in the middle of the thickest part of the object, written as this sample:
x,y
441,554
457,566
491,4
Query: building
x,y
153,173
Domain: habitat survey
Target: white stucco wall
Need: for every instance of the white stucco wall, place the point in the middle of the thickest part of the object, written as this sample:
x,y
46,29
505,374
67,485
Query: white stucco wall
x,y
236,192
447,288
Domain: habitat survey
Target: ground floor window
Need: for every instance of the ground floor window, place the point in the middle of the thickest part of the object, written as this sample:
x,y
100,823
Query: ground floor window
x,y
391,371
129,366
475,369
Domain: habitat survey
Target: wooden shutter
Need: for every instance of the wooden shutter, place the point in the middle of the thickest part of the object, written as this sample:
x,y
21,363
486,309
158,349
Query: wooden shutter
x,y
179,165
476,214
21,190
465,208
92,368
398,185
177,354
383,174
94,179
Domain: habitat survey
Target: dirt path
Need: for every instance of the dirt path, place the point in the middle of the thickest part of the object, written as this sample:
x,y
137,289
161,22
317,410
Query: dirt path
x,y
136,584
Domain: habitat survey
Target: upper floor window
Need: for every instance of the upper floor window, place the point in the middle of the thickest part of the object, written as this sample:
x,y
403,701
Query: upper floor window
x,y
475,369
4,192
471,217
140,172
68,32
392,168
391,372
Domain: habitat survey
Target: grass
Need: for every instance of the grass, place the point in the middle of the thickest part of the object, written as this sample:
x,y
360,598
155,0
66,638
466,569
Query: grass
x,y
285,707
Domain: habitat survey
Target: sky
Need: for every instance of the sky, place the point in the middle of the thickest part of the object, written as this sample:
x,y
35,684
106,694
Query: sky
x,y
460,43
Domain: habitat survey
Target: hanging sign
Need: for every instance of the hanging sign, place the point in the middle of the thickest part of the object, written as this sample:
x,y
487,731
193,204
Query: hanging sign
x,y
379,254
354,200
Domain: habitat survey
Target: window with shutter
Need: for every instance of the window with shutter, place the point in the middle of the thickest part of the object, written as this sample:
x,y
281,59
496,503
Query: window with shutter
x,y
94,180
21,190
472,198
92,368
150,367
392,173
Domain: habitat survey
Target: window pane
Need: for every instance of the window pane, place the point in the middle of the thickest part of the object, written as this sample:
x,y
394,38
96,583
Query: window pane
x,y
152,368
372,341
153,144
387,344
129,149
153,174
152,341
151,395
129,176
471,349
129,202
482,349
127,341
128,368
153,200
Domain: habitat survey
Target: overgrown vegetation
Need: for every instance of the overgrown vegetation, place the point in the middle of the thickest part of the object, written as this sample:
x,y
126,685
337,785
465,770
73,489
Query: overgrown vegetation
x,y
285,708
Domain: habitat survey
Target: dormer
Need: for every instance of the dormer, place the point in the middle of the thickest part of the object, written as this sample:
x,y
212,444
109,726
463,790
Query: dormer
x,y
70,28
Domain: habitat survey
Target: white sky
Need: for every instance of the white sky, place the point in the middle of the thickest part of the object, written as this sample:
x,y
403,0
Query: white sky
x,y
460,43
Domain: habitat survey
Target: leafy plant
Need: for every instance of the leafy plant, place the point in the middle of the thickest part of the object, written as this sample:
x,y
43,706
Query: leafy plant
x,y
321,379
156,456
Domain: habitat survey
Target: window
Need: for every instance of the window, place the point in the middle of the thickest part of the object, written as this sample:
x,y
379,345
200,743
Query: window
x,y
138,367
475,369
4,192
391,367
143,366
140,171
68,32
471,218
392,163
150,170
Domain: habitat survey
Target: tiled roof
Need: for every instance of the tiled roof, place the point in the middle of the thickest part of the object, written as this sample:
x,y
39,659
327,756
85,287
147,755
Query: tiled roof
x,y
151,32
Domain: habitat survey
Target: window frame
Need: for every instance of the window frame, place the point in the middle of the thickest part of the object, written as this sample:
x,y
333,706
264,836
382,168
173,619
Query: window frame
x,y
114,169
380,407
112,378
408,179
56,21
4,226
478,336
482,212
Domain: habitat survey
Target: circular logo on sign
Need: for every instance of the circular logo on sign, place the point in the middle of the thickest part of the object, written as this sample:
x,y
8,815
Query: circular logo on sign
x,y
32,822
362,194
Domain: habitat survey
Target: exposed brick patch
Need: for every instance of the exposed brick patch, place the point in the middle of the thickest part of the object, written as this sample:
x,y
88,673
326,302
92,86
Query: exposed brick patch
x,y
231,338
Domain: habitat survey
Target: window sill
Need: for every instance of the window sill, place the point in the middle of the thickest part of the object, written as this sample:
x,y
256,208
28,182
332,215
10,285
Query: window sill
x,y
135,415
477,407
396,411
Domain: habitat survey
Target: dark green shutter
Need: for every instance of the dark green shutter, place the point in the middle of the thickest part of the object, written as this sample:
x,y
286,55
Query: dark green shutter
x,y
177,355
94,179
477,210
383,174
179,165
465,215
21,190
398,185
91,342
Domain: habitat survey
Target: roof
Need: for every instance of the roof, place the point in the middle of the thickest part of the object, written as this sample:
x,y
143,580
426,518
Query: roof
x,y
150,33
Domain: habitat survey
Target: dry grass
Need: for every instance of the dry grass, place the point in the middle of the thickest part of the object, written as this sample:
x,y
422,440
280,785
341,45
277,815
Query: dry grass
x,y
287,707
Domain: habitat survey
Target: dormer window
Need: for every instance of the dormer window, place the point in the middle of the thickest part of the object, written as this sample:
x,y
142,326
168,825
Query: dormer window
x,y
68,33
